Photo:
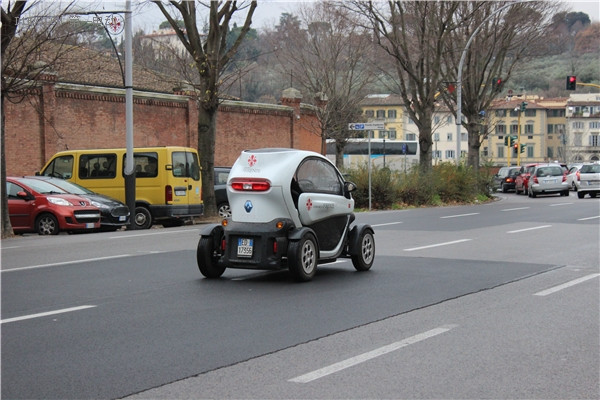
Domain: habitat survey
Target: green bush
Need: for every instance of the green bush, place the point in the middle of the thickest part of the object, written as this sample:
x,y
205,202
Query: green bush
x,y
446,183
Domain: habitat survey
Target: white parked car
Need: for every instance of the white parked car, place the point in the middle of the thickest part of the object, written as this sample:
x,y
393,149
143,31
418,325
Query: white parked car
x,y
588,180
572,175
289,209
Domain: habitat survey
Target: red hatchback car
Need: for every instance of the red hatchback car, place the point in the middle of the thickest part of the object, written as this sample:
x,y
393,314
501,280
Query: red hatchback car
x,y
38,206
522,179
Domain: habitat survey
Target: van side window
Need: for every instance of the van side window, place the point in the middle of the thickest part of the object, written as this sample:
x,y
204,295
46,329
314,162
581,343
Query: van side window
x,y
145,164
60,167
185,165
97,166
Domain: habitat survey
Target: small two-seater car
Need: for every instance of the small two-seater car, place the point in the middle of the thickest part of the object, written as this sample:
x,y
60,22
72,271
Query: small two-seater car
x,y
289,209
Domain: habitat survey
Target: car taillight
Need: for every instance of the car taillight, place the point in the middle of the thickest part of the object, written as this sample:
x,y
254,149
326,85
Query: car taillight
x,y
578,176
564,178
535,180
251,184
168,193
509,180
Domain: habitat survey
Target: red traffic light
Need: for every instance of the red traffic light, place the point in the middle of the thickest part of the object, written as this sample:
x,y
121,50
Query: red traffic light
x,y
571,82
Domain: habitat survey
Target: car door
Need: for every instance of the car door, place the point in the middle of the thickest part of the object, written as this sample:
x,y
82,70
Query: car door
x,y
322,205
20,208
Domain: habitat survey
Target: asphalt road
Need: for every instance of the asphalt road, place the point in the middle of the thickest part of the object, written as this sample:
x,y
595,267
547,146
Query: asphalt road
x,y
496,300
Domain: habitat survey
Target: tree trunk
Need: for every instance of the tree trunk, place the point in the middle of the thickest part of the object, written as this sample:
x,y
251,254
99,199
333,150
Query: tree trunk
x,y
473,131
207,127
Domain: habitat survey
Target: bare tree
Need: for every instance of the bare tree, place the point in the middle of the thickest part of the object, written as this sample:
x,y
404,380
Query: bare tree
x,y
210,55
413,33
330,57
34,41
504,40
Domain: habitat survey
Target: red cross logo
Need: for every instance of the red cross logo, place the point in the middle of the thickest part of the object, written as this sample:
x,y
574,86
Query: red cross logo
x,y
115,24
252,160
308,204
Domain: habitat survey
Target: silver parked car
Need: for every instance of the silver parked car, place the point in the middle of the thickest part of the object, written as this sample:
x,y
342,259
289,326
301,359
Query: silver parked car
x,y
548,179
572,175
588,180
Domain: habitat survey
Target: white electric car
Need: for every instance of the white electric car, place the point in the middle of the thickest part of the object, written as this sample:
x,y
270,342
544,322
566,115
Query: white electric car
x,y
289,209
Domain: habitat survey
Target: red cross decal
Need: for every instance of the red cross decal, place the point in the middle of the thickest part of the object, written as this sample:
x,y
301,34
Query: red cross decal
x,y
308,204
251,160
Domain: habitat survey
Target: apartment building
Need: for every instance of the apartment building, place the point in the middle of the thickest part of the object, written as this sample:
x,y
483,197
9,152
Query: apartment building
x,y
582,139
389,109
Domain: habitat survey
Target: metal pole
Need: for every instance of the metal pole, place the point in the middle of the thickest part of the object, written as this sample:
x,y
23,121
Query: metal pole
x,y
369,146
129,168
459,78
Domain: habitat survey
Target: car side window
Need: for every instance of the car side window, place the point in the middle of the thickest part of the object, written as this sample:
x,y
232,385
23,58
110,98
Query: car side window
x,y
12,190
315,175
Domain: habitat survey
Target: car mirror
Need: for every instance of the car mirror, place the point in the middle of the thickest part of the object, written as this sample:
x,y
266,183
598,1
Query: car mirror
x,y
23,195
349,187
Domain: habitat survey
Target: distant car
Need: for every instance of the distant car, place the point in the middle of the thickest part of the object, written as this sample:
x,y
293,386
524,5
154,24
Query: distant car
x,y
38,206
522,179
505,178
572,175
548,179
114,214
291,209
221,174
588,180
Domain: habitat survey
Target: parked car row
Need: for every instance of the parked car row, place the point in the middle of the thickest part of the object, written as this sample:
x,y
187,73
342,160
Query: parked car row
x,y
550,178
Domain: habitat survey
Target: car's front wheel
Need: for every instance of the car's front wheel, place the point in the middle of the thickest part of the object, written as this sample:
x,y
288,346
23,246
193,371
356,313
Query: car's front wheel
x,y
47,224
302,258
363,260
581,195
207,256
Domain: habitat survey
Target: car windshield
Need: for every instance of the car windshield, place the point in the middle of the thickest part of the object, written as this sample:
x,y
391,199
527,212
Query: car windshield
x,y
586,169
70,187
42,186
549,171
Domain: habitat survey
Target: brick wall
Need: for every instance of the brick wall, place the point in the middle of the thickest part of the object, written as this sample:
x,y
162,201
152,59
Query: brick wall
x,y
56,117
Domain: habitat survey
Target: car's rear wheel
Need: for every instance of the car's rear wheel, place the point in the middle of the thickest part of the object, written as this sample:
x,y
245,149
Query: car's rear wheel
x,y
207,256
142,218
47,224
364,259
581,195
302,258
504,188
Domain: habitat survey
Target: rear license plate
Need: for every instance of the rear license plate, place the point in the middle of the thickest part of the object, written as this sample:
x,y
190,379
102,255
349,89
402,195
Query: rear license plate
x,y
180,193
245,247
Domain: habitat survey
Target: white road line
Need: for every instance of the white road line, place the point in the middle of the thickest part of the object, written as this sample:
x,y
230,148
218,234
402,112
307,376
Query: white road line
x,y
44,314
438,245
566,285
515,209
64,263
350,362
559,204
161,232
459,215
389,223
585,219
530,229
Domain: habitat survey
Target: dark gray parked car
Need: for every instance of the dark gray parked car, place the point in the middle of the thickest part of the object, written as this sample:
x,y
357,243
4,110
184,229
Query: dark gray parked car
x,y
505,178
221,174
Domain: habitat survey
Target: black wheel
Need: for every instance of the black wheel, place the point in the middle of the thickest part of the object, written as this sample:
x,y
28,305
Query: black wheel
x,y
364,259
573,186
593,195
224,210
566,193
47,224
581,195
504,188
517,191
142,218
207,255
302,258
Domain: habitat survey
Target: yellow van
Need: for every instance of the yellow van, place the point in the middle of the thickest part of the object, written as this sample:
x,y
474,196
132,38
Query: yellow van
x,y
168,186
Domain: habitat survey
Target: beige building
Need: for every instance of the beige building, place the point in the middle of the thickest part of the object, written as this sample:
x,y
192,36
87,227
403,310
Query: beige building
x,y
582,138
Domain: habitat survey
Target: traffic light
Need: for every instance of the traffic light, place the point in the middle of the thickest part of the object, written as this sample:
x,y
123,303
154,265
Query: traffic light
x,y
497,84
523,146
523,106
571,82
515,148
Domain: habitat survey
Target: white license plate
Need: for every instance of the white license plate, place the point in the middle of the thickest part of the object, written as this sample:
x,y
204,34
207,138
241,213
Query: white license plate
x,y
90,225
245,247
122,218
180,193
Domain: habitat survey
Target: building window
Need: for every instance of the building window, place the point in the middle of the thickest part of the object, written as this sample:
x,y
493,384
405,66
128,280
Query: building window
x,y
514,129
449,119
500,129
411,136
500,151
369,113
484,152
550,128
530,137
391,113
595,125
449,137
449,153
436,137
577,125
392,134
380,113
594,141
529,150
463,136
437,154
529,128
529,113
436,119
578,139
500,113
514,113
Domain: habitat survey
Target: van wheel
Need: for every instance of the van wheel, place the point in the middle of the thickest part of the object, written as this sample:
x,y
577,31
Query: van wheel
x,y
143,218
302,258
47,224
366,254
207,256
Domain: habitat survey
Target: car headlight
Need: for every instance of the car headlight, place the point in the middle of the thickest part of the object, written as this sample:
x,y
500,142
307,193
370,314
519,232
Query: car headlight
x,y
98,205
59,201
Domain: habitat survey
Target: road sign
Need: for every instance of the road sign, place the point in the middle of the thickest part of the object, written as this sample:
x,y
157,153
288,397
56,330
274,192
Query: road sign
x,y
366,126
